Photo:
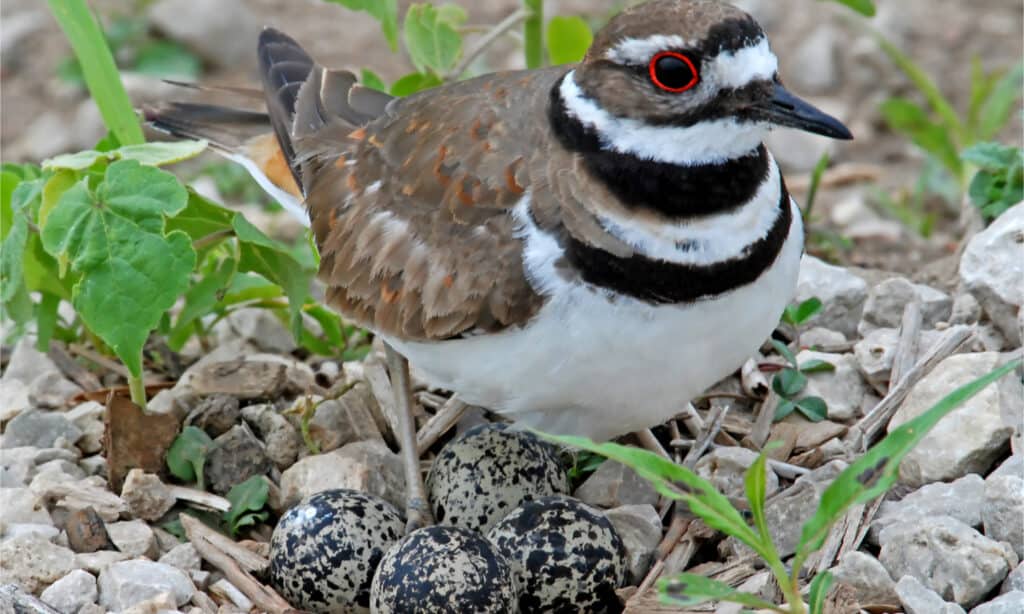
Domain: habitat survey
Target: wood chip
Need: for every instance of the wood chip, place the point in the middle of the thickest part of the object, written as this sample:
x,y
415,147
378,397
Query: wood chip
x,y
201,498
135,439
439,424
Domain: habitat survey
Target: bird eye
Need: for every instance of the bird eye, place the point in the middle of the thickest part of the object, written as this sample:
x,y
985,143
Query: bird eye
x,y
673,72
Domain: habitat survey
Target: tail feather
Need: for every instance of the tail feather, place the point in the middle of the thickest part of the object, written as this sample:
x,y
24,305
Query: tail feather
x,y
225,128
284,66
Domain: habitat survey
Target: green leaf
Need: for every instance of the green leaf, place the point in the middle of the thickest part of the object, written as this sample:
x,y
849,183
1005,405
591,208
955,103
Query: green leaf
x,y
372,80
936,139
755,483
8,182
813,408
992,156
384,11
998,107
201,217
687,589
98,68
816,365
432,41
152,154
414,82
785,408
187,454
796,315
788,382
12,253
783,351
878,469
247,501
46,320
75,161
675,482
568,39
819,591
864,7
200,299
131,272
167,59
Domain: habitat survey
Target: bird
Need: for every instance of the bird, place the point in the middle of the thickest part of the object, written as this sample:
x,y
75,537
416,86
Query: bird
x,y
580,248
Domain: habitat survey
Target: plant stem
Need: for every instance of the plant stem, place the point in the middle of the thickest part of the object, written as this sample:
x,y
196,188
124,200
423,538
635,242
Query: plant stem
x,y
491,35
138,391
533,32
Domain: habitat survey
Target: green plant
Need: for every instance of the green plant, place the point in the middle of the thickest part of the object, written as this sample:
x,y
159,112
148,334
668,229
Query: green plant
x,y
248,501
868,477
187,455
999,182
790,381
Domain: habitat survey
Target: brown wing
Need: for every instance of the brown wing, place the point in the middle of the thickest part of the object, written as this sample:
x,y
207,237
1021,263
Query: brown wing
x,y
412,212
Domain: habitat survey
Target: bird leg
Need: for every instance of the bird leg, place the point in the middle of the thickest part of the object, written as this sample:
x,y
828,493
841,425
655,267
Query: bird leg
x,y
417,511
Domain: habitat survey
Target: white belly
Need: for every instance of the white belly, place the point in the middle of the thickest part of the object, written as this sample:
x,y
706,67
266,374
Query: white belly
x,y
589,366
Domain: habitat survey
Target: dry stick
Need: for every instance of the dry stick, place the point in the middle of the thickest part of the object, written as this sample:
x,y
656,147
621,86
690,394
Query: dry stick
x,y
694,423
199,497
714,424
752,380
867,428
439,423
841,174
765,417
486,41
99,359
651,443
81,376
908,343
204,538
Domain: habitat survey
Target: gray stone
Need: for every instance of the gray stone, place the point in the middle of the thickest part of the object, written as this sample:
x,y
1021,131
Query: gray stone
x,y
78,494
992,267
128,583
259,327
51,390
968,439
218,30
337,422
72,592
183,556
38,429
961,499
368,466
842,294
887,300
13,399
22,505
27,363
868,578
966,309
235,457
33,562
816,62
639,528
1007,603
281,440
917,598
1014,581
842,389
215,414
819,337
947,556
788,510
613,484
63,467
726,468
44,530
44,384
146,496
94,465
133,537
96,562
877,350
1003,512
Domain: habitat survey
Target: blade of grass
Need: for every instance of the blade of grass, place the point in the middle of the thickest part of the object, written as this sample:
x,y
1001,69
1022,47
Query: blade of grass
x,y
98,67
533,33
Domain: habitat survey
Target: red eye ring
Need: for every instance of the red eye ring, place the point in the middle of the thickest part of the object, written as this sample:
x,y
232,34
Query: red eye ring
x,y
652,69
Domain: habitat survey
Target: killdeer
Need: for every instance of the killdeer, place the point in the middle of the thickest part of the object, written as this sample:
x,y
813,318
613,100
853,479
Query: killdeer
x,y
580,248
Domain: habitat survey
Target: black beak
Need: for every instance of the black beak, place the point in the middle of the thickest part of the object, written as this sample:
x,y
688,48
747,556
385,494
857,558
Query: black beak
x,y
785,109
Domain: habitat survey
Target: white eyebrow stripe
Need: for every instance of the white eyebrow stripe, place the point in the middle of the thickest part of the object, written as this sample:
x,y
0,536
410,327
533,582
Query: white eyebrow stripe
x,y
641,50
734,69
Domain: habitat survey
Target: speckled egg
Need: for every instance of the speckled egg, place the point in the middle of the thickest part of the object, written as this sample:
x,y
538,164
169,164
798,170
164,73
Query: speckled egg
x,y
565,554
443,569
489,471
325,549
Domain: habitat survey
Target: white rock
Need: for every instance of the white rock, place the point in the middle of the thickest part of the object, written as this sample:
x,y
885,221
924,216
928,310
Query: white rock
x,y
183,556
147,497
257,326
38,429
13,399
992,269
221,31
51,390
96,562
33,562
133,537
887,300
1014,581
842,389
127,583
21,505
917,598
842,294
947,556
726,468
867,577
613,484
797,151
968,439
819,336
877,350
966,309
44,530
27,364
816,68
639,527
161,603
72,592
281,440
1007,603
1012,466
1003,511
368,466
961,499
